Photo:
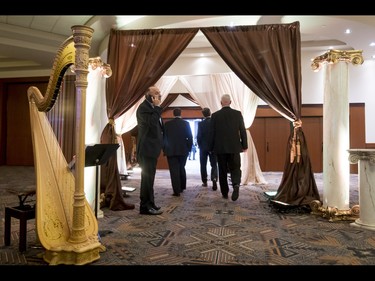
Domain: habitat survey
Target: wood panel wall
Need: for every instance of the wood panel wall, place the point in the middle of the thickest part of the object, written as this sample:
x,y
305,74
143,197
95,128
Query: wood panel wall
x,y
16,144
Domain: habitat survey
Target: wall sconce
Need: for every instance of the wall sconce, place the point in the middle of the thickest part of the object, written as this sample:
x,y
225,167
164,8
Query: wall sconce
x,y
334,56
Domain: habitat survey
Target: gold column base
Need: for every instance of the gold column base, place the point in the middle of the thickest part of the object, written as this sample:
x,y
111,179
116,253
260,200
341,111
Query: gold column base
x,y
79,254
334,214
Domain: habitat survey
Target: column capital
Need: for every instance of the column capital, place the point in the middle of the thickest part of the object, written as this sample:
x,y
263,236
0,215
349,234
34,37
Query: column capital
x,y
361,154
334,56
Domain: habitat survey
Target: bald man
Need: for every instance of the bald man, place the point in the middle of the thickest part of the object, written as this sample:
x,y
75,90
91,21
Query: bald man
x,y
227,140
149,145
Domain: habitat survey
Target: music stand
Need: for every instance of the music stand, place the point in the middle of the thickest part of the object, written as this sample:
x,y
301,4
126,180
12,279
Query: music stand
x,y
96,155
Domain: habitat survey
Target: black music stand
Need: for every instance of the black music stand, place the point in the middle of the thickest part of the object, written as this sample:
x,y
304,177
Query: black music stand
x,y
96,155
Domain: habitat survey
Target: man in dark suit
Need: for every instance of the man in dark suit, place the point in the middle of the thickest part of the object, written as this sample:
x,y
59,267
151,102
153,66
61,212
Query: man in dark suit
x,y
227,140
178,140
204,152
149,146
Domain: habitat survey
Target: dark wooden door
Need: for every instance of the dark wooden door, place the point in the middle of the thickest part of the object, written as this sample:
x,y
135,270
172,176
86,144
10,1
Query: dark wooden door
x,y
19,148
270,136
313,130
277,134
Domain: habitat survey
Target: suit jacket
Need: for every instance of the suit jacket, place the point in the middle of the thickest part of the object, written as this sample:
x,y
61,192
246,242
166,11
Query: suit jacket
x,y
227,131
150,130
203,134
178,138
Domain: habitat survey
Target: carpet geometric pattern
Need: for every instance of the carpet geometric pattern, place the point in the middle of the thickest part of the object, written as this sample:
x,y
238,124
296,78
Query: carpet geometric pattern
x,y
202,228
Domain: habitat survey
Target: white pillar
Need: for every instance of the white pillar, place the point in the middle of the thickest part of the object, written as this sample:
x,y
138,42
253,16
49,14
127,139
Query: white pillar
x,y
336,137
366,181
94,108
336,169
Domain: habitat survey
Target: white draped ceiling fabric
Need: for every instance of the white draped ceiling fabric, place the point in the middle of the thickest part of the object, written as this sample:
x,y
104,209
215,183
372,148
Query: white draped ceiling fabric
x,y
207,90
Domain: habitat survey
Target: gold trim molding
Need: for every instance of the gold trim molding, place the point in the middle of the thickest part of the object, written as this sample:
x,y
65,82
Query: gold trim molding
x,y
334,56
334,214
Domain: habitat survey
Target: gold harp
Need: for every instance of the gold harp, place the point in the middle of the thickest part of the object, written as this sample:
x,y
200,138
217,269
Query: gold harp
x,y
65,223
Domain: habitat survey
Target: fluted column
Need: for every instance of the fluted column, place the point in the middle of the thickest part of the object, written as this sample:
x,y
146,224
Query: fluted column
x,y
366,181
336,172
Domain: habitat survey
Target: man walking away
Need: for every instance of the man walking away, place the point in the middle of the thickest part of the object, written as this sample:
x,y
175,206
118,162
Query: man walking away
x,y
178,140
227,140
204,152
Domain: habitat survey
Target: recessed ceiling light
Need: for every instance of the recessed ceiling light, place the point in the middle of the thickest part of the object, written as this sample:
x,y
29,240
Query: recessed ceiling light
x,y
348,31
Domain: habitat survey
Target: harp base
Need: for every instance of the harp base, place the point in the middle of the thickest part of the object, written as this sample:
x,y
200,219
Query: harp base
x,y
78,255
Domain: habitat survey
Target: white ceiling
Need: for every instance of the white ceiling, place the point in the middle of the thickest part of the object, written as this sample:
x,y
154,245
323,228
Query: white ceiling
x,y
29,43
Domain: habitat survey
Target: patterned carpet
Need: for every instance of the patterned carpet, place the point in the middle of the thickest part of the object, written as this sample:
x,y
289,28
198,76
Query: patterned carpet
x,y
202,228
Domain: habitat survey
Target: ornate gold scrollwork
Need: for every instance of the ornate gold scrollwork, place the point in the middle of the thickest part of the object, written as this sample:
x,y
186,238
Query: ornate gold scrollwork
x,y
334,56
94,63
333,213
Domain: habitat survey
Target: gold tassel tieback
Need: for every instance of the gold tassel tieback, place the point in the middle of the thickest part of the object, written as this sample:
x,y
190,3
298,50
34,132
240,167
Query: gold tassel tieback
x,y
111,122
295,149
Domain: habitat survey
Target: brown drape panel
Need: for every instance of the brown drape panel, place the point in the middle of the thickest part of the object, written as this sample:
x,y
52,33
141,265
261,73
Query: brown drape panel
x,y
267,58
189,97
168,100
138,59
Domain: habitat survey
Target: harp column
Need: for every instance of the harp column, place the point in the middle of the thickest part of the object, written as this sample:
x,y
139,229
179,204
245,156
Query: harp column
x,y
336,137
82,40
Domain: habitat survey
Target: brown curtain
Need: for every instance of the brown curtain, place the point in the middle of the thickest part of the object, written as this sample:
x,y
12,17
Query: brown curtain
x,y
267,58
138,59
189,97
168,100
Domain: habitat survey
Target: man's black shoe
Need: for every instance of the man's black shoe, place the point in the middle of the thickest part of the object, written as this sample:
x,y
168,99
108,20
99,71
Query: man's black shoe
x,y
176,194
150,211
225,196
235,193
214,185
204,184
157,208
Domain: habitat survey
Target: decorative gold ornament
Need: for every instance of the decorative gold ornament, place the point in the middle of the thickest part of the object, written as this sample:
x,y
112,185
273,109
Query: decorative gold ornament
x,y
96,62
334,56
333,213
106,70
